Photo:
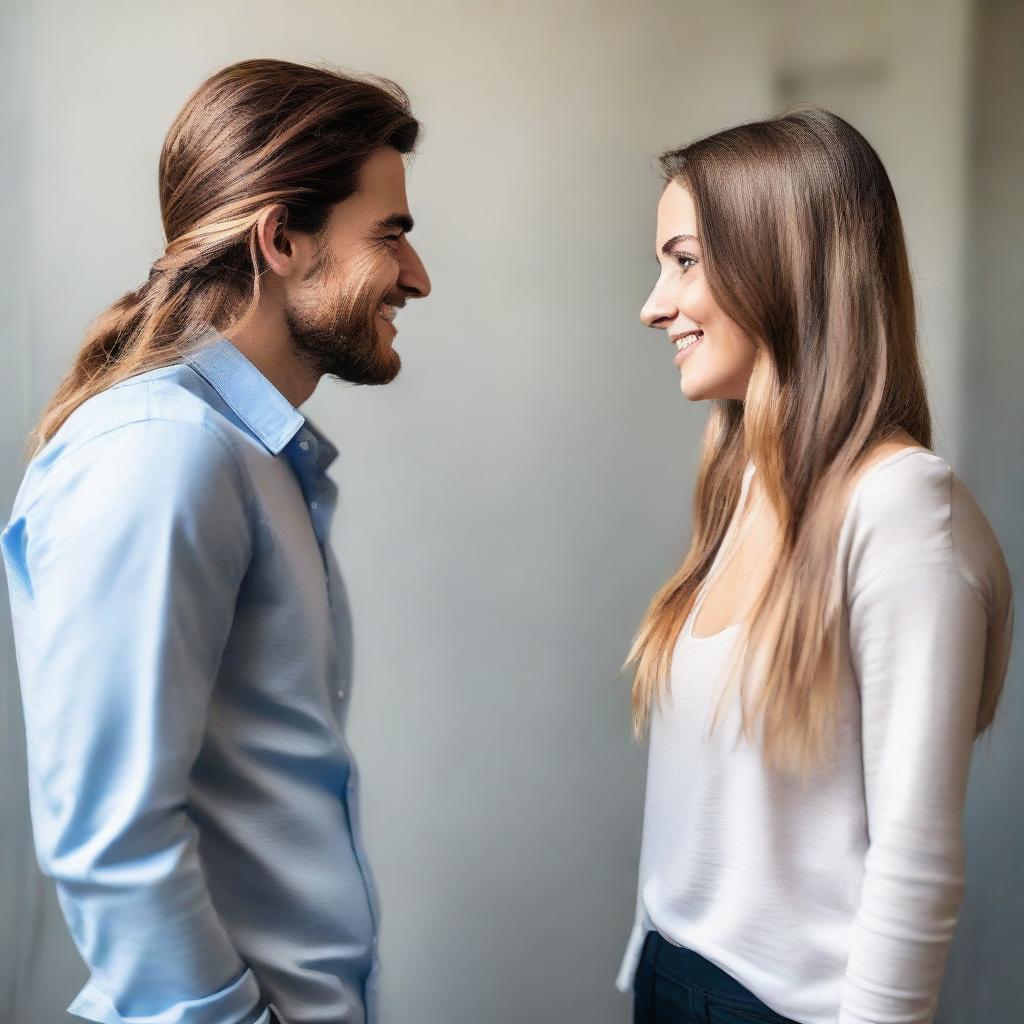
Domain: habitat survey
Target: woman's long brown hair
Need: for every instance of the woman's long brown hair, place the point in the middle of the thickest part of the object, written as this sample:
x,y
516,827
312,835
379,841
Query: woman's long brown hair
x,y
803,248
256,133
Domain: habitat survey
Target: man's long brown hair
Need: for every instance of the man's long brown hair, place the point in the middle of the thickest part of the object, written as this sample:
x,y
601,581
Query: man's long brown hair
x,y
254,134
803,248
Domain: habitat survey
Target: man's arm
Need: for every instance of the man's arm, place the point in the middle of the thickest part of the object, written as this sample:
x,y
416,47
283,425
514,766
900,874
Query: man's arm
x,y
132,560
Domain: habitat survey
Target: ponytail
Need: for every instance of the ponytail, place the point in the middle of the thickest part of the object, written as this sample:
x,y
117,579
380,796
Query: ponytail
x,y
145,329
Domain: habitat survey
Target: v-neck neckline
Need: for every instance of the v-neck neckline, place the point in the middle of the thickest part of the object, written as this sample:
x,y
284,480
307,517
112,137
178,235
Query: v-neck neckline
x,y
717,564
720,562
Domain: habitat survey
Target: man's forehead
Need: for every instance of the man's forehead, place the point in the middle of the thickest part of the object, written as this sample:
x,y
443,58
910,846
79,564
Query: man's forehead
x,y
379,203
382,179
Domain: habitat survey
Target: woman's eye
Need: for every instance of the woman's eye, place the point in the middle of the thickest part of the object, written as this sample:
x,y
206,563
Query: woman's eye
x,y
685,260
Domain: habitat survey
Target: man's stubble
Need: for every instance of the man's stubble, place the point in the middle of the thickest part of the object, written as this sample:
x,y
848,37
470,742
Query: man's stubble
x,y
334,328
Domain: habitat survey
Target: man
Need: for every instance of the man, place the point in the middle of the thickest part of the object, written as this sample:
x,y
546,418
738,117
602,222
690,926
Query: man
x,y
180,623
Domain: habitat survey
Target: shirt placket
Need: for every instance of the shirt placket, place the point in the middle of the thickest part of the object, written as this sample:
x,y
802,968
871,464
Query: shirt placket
x,y
313,483
319,494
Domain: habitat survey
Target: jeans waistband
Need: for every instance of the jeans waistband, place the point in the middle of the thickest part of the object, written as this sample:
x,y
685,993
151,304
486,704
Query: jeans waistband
x,y
697,972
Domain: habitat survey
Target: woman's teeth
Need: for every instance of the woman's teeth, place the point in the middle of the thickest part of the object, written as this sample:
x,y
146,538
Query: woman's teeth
x,y
688,341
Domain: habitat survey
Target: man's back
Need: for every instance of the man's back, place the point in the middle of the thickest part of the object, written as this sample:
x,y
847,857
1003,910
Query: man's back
x,y
184,650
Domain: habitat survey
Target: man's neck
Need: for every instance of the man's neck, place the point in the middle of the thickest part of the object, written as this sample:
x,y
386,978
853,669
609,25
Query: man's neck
x,y
264,340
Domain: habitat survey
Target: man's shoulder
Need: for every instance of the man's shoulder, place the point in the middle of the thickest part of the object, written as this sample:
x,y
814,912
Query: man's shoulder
x,y
158,423
171,400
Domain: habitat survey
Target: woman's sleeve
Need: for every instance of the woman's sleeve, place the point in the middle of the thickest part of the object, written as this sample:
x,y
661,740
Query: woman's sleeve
x,y
918,632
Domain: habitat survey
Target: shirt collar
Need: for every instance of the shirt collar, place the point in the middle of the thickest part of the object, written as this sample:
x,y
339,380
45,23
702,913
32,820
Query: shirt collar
x,y
256,402
326,451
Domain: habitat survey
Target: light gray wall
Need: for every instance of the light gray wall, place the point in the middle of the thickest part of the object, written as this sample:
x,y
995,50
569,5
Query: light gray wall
x,y
17,867
983,979
508,504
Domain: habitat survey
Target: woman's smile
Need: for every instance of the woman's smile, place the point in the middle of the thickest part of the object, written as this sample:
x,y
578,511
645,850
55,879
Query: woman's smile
x,y
685,344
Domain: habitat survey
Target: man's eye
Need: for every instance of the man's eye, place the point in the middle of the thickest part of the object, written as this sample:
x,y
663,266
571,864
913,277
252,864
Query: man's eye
x,y
393,238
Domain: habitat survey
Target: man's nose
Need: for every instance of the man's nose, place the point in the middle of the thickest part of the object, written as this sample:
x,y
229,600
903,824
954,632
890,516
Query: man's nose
x,y
412,277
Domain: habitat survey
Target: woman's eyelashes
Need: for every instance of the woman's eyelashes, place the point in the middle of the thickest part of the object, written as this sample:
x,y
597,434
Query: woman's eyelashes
x,y
684,258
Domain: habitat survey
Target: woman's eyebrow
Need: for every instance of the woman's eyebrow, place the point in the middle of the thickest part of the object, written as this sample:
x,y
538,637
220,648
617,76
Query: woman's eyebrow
x,y
677,238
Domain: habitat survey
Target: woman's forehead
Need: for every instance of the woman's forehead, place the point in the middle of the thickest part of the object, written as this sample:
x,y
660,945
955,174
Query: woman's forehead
x,y
676,213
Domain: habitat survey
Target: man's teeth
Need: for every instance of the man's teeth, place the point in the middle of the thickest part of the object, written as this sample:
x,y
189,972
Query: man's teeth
x,y
388,312
690,339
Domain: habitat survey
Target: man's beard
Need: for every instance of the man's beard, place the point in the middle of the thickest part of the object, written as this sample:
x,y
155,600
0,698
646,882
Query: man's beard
x,y
342,339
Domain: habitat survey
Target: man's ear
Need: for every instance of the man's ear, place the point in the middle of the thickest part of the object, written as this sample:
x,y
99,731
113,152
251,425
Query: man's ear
x,y
275,241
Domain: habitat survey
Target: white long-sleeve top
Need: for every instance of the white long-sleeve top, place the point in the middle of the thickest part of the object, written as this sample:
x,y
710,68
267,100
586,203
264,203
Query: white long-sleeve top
x,y
836,904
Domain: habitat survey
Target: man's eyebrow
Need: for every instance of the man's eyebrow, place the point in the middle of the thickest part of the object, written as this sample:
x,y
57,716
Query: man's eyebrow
x,y
401,221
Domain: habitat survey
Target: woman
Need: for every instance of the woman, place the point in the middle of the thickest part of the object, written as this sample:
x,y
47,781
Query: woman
x,y
815,674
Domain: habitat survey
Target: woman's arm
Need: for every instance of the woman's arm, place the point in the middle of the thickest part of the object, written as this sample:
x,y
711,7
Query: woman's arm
x,y
917,640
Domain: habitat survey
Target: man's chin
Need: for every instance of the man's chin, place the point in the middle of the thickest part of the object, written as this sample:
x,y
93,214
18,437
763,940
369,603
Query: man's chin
x,y
383,371
390,360
395,368
356,357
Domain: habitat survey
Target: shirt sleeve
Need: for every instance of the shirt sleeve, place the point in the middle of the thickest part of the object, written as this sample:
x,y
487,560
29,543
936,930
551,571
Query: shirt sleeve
x,y
917,641
134,556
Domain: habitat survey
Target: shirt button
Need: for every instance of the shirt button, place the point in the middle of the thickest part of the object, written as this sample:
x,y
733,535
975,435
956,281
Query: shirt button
x,y
341,693
314,505
304,445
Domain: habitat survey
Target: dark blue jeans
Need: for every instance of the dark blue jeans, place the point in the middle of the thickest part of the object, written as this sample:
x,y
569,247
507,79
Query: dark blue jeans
x,y
675,985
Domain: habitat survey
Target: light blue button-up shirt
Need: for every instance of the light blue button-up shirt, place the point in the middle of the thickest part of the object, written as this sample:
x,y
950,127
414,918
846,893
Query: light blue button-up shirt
x,y
184,650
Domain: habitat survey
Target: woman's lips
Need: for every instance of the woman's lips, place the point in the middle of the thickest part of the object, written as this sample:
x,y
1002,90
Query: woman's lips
x,y
688,345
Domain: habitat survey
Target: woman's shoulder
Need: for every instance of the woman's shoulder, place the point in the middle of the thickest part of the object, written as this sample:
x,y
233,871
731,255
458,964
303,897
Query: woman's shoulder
x,y
900,485
909,511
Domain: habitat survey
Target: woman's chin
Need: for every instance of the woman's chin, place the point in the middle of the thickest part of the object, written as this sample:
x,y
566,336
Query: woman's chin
x,y
689,390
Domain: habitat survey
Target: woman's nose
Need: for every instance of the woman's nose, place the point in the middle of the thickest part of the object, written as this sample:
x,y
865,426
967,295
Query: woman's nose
x,y
658,310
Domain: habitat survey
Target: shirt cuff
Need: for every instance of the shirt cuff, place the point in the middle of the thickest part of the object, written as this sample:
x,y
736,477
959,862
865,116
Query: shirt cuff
x,y
237,1003
631,959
